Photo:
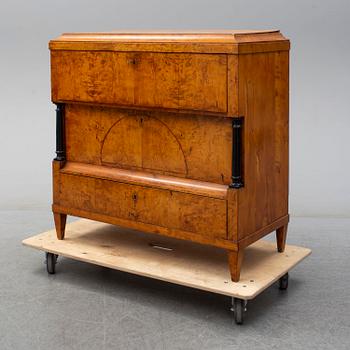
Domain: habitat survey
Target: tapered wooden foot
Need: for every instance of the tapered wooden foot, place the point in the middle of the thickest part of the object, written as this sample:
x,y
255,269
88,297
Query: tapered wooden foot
x,y
281,235
235,262
60,224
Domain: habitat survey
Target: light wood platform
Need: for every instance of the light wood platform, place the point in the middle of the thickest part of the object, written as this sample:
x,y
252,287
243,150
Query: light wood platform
x,y
171,260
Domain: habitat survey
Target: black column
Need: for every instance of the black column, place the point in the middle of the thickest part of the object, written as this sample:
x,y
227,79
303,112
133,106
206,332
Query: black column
x,y
237,126
60,142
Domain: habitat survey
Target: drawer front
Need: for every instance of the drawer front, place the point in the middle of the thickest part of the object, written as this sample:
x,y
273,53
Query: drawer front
x,y
163,80
181,145
175,210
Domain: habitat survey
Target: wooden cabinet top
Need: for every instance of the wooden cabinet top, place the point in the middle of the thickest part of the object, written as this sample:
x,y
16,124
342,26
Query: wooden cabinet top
x,y
225,41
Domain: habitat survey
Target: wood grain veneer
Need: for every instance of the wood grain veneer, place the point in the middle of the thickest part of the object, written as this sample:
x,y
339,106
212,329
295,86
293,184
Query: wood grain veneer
x,y
181,134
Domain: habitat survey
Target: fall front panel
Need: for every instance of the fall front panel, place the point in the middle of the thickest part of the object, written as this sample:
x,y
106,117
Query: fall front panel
x,y
163,80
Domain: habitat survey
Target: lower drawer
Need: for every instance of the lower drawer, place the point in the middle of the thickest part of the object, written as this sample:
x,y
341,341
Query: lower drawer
x,y
183,211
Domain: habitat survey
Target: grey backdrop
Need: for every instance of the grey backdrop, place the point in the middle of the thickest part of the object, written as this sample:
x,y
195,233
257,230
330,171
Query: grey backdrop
x,y
319,111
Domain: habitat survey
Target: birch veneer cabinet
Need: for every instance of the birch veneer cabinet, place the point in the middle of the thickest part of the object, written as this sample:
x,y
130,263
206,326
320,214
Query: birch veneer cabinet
x,y
179,134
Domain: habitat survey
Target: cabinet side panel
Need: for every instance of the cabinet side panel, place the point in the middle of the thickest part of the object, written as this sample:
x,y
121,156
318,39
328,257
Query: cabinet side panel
x,y
232,214
232,85
263,101
56,166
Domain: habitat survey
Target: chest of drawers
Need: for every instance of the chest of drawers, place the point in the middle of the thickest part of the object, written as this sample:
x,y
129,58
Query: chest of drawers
x,y
179,134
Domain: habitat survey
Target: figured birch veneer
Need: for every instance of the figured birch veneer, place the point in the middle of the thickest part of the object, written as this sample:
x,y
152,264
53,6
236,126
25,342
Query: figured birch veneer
x,y
179,134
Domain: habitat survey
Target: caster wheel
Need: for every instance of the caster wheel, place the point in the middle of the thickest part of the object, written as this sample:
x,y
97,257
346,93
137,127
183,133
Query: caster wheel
x,y
238,308
283,282
51,260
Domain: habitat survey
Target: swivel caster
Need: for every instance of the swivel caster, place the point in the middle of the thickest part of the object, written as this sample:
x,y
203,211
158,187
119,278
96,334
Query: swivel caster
x,y
239,306
51,260
283,282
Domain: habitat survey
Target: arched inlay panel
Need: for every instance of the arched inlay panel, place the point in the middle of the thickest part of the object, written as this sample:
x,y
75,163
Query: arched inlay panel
x,y
143,142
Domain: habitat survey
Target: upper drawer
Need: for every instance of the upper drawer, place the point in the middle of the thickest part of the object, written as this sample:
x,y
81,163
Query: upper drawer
x,y
143,79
